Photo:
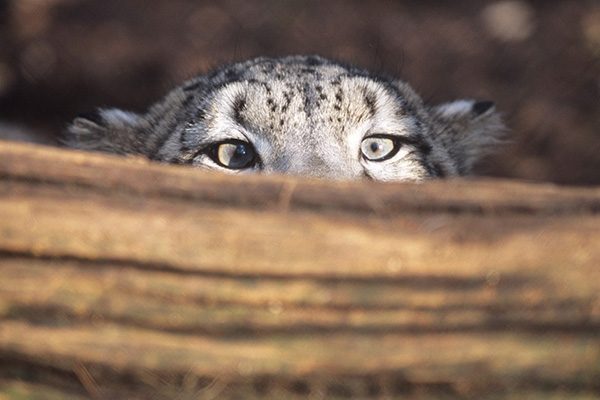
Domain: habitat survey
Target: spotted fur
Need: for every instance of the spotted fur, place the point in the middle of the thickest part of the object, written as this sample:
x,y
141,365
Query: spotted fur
x,y
304,115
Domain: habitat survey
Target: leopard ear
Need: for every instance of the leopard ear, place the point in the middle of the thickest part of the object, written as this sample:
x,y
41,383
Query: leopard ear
x,y
470,128
108,130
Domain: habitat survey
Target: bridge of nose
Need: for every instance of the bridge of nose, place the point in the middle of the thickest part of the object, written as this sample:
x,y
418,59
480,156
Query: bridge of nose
x,y
321,160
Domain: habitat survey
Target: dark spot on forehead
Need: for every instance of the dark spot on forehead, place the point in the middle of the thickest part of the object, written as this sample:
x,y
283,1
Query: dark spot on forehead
x,y
369,99
239,105
271,104
287,100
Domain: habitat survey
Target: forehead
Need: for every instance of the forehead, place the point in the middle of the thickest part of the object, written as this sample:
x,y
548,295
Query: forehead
x,y
294,67
301,97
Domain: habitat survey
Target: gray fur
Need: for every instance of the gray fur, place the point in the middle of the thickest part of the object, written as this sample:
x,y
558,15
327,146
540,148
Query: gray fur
x,y
304,115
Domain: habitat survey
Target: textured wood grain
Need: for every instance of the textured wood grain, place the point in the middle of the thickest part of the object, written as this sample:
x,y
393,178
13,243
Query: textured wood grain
x,y
125,279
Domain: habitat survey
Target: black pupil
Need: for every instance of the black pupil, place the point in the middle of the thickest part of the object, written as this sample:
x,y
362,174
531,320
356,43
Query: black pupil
x,y
242,156
375,147
240,151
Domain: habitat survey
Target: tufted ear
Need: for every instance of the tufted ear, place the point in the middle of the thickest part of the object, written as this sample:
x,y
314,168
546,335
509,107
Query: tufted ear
x,y
470,129
108,130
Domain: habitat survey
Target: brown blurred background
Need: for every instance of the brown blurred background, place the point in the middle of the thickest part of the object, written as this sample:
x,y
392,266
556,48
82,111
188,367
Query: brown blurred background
x,y
539,60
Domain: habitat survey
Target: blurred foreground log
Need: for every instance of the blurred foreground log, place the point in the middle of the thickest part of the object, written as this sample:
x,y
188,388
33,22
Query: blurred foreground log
x,y
124,279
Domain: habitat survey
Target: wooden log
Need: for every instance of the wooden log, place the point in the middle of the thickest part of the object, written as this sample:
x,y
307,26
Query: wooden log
x,y
125,279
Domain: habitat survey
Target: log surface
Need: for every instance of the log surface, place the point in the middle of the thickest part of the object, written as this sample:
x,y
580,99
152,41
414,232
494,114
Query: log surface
x,y
125,279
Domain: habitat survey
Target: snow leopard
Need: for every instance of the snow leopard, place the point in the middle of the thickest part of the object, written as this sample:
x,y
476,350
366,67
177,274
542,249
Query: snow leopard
x,y
299,115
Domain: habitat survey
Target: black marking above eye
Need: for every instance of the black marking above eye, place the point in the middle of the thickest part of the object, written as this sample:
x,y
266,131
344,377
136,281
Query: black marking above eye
x,y
233,154
238,107
370,99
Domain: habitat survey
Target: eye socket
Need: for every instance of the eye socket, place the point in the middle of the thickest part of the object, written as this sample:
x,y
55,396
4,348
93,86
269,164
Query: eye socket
x,y
233,154
379,147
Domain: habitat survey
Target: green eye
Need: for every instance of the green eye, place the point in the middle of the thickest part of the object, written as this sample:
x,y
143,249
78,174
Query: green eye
x,y
379,147
233,154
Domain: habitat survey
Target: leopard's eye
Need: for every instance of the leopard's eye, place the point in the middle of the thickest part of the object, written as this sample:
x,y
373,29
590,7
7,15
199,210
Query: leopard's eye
x,y
233,154
379,147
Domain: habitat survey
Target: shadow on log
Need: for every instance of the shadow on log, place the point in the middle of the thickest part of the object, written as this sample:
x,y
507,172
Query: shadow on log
x,y
125,279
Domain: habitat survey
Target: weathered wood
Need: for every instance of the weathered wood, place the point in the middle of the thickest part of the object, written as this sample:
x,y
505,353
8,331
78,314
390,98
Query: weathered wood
x,y
125,279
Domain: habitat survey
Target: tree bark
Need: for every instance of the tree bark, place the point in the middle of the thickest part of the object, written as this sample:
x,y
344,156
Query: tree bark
x,y
125,279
